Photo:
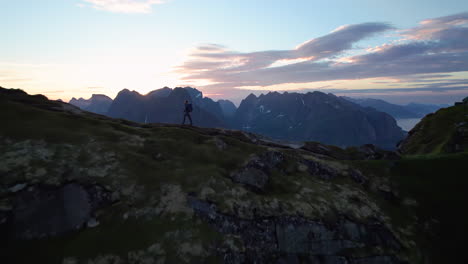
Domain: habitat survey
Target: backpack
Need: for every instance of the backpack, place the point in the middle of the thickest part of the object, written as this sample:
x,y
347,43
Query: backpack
x,y
189,108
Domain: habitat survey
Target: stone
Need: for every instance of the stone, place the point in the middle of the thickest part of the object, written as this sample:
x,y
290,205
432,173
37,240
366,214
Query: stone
x,y
377,260
302,168
92,223
251,177
321,170
18,187
220,144
255,174
267,238
50,211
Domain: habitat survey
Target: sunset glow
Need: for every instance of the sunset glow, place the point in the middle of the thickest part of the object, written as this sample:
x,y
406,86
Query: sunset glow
x,y
104,46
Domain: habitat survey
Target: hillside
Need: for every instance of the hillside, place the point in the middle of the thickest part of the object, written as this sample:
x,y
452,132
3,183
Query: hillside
x,y
78,187
446,131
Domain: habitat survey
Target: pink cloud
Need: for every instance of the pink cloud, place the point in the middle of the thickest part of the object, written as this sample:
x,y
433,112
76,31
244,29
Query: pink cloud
x,y
443,50
428,28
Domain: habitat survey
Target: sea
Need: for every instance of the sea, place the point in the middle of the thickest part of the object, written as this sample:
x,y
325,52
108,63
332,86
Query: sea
x,y
407,123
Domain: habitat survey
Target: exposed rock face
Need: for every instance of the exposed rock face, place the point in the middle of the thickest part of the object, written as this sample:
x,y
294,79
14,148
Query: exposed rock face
x,y
316,117
255,173
320,170
41,211
166,106
292,239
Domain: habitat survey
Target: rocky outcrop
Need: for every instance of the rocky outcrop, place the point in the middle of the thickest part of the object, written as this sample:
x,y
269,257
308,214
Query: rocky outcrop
x,y
290,239
255,173
45,211
364,152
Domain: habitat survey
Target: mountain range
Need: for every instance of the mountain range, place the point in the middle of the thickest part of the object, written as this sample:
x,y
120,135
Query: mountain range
x,y
166,106
313,116
98,103
411,110
316,116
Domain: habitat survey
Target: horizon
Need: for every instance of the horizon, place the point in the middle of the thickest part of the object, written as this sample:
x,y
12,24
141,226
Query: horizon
x,y
257,94
397,52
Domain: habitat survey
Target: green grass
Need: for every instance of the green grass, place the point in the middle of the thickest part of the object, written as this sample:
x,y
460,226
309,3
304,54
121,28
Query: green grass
x,y
439,184
433,134
113,236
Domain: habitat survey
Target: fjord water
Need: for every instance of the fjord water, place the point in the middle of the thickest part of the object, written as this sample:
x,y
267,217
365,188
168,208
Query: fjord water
x,y
407,123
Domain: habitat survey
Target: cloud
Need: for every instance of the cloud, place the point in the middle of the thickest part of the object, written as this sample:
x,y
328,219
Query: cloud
x,y
435,46
124,6
218,58
430,27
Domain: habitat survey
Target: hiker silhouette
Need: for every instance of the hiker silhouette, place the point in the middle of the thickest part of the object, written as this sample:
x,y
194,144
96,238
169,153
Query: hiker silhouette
x,y
187,110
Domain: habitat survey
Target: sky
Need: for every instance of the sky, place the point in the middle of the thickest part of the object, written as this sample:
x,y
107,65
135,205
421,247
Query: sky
x,y
400,51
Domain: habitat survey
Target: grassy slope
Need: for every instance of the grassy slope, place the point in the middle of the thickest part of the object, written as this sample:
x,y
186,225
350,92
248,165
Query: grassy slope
x,y
190,159
435,131
152,168
438,184
437,180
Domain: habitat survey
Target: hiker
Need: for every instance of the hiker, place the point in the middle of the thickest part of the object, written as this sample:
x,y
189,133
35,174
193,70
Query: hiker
x,y
187,110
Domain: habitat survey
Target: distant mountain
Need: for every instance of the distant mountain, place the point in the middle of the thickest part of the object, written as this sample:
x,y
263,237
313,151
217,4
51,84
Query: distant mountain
x,y
129,105
81,102
316,117
228,108
423,109
397,111
289,116
205,103
98,103
412,110
166,106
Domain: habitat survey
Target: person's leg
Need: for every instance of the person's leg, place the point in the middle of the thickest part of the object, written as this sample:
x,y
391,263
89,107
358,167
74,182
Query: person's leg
x,y
190,118
183,122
